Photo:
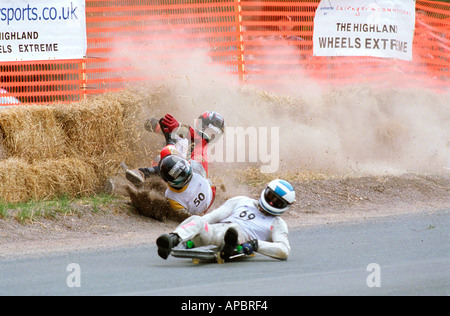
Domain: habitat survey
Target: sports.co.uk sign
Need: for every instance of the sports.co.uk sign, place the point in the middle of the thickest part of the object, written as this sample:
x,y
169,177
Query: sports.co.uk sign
x,y
42,30
381,28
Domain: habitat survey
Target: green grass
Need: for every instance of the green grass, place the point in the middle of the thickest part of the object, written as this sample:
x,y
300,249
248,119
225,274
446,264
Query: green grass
x,y
49,209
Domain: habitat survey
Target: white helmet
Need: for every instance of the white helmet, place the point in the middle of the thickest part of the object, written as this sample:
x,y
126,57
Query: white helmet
x,y
277,197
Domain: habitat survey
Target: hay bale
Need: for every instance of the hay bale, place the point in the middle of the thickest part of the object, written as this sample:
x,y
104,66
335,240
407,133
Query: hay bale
x,y
92,130
69,176
67,149
22,181
32,133
3,151
13,186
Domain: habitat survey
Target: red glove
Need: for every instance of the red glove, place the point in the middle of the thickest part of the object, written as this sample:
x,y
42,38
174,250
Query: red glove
x,y
168,123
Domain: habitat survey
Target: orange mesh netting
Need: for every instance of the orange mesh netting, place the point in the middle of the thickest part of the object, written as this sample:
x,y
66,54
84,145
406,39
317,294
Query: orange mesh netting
x,y
256,41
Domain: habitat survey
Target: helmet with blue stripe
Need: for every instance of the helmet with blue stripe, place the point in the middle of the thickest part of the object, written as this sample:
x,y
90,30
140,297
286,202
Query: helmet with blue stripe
x,y
277,197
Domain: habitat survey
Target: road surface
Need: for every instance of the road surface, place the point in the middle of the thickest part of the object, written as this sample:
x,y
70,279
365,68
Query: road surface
x,y
403,255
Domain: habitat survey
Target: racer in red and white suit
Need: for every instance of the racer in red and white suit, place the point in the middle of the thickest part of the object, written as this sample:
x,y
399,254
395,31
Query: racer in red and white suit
x,y
191,190
208,128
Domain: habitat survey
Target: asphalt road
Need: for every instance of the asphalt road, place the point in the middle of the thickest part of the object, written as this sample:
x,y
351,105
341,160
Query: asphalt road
x,y
409,256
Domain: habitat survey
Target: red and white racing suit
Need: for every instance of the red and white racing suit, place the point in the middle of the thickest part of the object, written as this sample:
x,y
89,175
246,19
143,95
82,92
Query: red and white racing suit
x,y
243,214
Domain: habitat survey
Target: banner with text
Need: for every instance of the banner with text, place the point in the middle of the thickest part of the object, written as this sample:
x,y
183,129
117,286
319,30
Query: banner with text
x,y
42,30
381,28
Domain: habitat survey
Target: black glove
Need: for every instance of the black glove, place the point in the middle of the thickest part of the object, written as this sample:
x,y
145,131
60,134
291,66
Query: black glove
x,y
250,246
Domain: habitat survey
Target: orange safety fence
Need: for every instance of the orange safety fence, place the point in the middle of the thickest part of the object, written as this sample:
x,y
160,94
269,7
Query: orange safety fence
x,y
256,41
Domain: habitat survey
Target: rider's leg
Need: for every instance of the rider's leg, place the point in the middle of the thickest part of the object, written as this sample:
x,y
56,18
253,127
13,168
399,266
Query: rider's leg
x,y
195,228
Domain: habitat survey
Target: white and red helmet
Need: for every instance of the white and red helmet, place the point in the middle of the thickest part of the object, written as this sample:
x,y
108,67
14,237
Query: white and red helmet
x,y
210,126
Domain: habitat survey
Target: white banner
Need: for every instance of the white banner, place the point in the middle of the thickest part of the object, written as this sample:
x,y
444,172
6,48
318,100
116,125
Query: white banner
x,y
42,30
379,28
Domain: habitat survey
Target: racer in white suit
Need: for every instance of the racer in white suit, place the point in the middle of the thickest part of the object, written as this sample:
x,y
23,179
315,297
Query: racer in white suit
x,y
188,189
254,224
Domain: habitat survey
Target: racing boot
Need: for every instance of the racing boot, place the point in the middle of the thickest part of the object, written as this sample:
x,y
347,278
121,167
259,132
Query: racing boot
x,y
230,243
148,172
165,244
135,176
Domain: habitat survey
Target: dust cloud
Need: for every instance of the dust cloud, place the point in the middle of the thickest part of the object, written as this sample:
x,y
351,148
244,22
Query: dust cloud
x,y
358,129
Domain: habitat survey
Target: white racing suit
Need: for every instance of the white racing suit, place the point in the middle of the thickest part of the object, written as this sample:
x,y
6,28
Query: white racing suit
x,y
195,198
243,214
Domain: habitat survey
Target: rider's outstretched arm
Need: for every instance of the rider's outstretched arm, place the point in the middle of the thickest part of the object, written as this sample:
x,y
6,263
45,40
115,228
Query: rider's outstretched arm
x,y
279,247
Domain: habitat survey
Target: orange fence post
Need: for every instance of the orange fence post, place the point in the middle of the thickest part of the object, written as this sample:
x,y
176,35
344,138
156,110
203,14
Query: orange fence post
x,y
240,46
83,85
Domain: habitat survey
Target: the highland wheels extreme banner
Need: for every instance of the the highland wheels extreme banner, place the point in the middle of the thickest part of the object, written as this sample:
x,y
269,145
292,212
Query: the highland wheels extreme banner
x,y
42,30
379,28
